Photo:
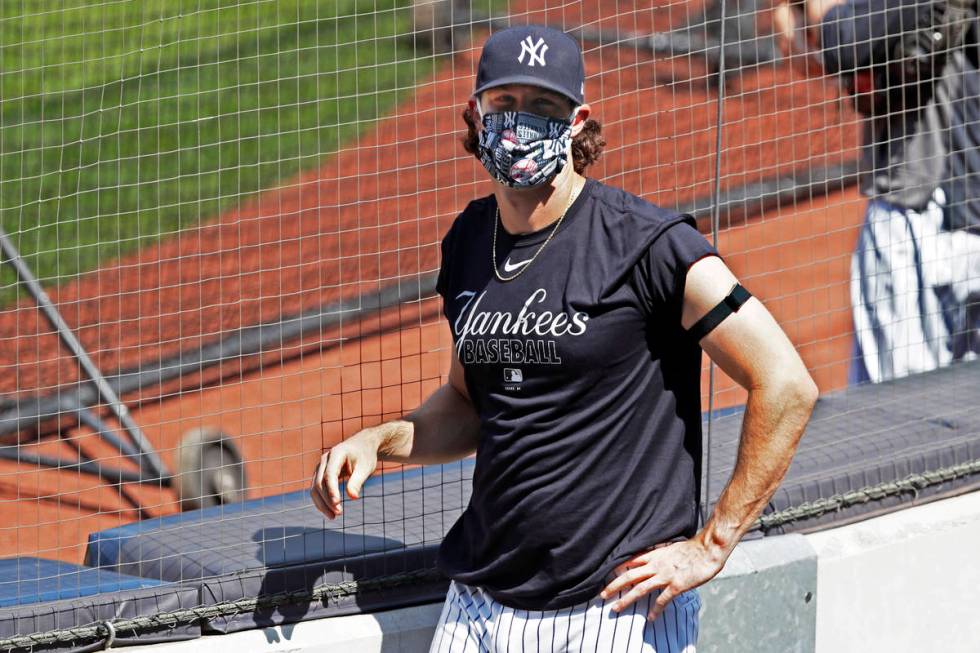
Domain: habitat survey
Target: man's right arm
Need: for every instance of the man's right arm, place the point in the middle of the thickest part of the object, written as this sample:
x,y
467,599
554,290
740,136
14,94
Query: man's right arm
x,y
444,428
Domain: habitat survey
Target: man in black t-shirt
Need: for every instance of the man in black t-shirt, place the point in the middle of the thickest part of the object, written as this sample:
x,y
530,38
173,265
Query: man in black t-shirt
x,y
579,313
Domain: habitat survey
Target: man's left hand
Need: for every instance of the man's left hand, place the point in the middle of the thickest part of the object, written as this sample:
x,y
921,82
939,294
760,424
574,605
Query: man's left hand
x,y
673,569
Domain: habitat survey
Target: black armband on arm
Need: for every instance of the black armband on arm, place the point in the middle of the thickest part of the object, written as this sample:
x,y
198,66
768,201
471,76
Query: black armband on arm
x,y
730,304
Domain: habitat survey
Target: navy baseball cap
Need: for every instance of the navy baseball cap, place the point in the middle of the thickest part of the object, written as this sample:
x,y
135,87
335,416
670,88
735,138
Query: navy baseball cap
x,y
532,54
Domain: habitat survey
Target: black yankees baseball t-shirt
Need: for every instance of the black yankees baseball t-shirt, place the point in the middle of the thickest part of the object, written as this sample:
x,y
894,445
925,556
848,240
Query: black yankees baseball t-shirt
x,y
587,388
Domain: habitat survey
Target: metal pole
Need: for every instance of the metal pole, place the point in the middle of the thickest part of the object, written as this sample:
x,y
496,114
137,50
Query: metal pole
x,y
715,225
105,391
111,475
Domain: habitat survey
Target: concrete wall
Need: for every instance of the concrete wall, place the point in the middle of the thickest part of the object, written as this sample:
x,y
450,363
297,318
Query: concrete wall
x,y
763,600
908,581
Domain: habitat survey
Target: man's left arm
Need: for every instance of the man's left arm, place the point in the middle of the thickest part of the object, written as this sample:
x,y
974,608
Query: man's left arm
x,y
750,347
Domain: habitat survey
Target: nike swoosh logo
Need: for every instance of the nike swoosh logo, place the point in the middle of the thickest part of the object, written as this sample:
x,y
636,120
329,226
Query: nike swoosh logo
x,y
508,267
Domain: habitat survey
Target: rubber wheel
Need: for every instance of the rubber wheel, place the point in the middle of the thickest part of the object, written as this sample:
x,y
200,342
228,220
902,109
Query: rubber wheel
x,y
210,470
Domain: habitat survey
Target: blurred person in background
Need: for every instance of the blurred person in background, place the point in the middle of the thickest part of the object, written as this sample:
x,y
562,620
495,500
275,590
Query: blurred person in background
x,y
911,67
579,313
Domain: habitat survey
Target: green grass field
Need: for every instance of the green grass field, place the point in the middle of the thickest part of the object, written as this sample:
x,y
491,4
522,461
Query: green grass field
x,y
123,121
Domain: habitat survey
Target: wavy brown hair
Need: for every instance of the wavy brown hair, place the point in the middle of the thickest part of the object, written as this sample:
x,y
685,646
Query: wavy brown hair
x,y
586,147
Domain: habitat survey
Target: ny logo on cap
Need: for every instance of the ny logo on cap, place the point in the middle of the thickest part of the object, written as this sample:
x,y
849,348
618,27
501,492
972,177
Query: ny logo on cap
x,y
531,48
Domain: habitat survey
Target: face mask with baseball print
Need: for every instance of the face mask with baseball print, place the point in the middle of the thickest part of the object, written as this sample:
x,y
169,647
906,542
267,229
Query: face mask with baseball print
x,y
524,150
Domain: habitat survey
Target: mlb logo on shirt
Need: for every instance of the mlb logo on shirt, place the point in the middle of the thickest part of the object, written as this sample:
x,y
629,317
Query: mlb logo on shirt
x,y
512,375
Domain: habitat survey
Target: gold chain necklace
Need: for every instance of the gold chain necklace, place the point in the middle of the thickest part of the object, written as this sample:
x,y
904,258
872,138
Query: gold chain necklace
x,y
493,249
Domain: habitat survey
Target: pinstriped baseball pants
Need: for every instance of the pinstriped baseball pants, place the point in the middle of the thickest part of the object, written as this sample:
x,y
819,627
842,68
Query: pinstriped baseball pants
x,y
472,622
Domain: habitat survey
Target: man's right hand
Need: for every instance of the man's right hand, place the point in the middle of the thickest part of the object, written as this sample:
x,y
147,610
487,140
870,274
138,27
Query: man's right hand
x,y
444,428
353,460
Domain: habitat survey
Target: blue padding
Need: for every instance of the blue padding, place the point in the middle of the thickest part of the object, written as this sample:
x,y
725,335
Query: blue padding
x,y
104,546
307,535
36,580
282,544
